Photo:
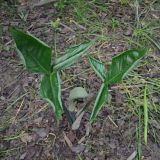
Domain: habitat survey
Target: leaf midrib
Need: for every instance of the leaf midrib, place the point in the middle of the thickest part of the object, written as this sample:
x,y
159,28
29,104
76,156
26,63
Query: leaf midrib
x,y
43,68
56,66
121,72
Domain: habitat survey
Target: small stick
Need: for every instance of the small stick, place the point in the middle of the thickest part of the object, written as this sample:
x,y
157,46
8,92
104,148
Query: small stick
x,y
65,26
43,2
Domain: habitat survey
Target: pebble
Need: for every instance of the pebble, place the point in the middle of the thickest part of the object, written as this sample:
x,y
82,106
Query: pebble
x,y
2,98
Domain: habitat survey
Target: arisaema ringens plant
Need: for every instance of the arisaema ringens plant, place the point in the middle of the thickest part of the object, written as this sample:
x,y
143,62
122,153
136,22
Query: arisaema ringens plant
x,y
36,57
120,66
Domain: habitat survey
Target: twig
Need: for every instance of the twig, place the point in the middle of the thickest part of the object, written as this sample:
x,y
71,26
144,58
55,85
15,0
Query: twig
x,y
132,156
18,111
112,121
80,26
137,12
43,2
65,26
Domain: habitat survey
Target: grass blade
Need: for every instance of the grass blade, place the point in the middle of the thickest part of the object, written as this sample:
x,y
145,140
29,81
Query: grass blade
x,y
153,41
145,115
138,136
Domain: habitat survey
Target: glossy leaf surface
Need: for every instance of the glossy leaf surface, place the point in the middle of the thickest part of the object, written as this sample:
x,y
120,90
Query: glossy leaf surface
x,y
100,101
98,67
51,91
122,64
35,55
71,55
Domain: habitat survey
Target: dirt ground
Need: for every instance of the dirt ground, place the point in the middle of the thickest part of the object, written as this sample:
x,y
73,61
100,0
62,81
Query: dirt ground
x,y
28,130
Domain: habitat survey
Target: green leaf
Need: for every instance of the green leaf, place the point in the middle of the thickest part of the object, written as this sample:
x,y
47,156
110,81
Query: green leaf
x,y
51,91
100,101
35,55
122,64
76,93
71,55
98,67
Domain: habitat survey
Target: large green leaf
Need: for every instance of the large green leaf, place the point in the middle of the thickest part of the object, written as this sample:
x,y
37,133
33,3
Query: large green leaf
x,y
71,55
100,101
35,55
122,64
98,67
51,91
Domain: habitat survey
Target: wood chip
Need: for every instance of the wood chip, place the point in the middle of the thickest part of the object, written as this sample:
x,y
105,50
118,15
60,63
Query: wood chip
x,y
77,122
132,156
69,143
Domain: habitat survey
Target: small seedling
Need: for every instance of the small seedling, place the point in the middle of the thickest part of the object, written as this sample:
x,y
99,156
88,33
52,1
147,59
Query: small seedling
x,y
114,23
55,24
23,16
123,2
36,57
119,68
61,4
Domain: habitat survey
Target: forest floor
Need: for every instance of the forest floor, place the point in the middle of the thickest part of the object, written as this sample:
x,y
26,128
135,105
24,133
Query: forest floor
x,y
28,129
